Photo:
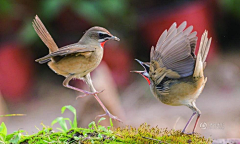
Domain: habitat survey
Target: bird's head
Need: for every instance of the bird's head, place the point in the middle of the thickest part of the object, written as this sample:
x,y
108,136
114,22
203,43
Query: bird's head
x,y
144,73
97,35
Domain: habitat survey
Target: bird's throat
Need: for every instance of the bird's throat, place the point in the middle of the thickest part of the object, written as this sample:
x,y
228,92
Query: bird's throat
x,y
147,80
102,44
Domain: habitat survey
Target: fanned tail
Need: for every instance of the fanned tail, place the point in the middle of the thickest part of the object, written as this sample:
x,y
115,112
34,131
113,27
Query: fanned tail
x,y
202,55
44,35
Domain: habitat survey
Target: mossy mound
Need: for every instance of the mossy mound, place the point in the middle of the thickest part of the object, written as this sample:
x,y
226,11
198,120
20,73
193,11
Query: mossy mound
x,y
95,133
143,134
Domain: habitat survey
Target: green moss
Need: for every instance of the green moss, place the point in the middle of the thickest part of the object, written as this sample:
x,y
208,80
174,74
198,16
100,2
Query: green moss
x,y
147,134
97,134
128,134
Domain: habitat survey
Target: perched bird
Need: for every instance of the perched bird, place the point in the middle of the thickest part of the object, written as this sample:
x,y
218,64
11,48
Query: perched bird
x,y
76,60
175,73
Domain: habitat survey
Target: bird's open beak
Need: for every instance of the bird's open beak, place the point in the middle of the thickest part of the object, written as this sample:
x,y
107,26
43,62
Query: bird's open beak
x,y
140,62
139,72
115,38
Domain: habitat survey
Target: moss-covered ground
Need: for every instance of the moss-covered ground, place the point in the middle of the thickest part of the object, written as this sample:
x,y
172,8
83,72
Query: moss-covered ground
x,y
95,133
143,134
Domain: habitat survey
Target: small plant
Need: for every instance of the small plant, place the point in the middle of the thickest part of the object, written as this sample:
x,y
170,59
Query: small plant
x,y
62,121
3,132
99,128
96,133
14,137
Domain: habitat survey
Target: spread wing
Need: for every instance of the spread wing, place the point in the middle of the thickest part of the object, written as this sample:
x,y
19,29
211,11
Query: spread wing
x,y
66,50
175,50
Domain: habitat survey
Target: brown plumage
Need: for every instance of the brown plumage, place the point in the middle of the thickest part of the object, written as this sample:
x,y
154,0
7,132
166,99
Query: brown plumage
x,y
76,60
174,73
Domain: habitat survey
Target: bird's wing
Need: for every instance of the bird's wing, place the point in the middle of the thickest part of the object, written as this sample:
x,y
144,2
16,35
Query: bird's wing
x,y
44,34
175,50
67,50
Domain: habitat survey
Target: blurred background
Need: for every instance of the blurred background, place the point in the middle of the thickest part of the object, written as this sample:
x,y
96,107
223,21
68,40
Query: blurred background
x,y
33,89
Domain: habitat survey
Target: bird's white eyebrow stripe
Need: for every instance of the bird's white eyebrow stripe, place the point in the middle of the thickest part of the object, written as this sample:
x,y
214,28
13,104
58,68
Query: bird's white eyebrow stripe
x,y
103,32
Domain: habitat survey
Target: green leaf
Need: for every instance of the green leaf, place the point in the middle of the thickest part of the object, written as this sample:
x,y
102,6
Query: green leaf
x,y
3,131
73,110
16,138
14,135
92,125
62,122
111,123
10,136
102,128
56,120
60,129
101,119
100,136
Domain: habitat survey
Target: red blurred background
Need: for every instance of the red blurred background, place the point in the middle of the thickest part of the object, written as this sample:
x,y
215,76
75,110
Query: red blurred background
x,y
28,87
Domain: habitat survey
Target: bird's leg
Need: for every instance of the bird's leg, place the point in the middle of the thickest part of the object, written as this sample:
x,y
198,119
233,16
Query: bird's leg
x,y
189,121
196,123
88,80
66,84
195,110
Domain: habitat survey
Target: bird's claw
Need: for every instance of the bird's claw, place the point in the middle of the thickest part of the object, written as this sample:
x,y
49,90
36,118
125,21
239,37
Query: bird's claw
x,y
89,93
109,115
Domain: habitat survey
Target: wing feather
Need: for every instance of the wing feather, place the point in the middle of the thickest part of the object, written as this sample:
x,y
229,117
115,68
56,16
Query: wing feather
x,y
175,49
67,50
161,39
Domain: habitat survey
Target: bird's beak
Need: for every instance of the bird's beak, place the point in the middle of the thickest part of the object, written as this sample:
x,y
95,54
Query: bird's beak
x,y
140,62
115,38
139,72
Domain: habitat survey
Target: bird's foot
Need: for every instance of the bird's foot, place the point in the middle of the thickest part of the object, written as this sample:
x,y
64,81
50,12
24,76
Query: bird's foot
x,y
110,115
86,93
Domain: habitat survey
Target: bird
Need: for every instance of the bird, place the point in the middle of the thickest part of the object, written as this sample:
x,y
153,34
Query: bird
x,y
77,60
175,74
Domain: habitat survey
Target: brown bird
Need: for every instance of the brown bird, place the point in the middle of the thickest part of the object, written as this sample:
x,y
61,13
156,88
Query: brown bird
x,y
174,73
76,60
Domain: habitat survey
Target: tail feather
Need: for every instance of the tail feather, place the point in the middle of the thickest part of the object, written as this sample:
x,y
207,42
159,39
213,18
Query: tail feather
x,y
44,35
202,55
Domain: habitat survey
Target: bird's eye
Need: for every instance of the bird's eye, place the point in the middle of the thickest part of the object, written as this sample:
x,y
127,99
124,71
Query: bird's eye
x,y
101,36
